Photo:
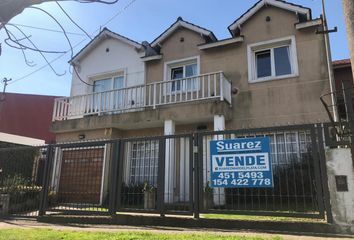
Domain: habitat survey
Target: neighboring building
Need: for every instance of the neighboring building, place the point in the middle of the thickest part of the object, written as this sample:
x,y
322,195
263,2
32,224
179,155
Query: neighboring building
x,y
342,71
26,119
270,72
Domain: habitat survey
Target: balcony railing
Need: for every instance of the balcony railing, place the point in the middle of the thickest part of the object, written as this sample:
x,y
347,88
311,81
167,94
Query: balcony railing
x,y
197,88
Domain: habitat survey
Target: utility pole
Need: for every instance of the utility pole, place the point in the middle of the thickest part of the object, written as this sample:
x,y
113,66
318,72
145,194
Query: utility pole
x,y
325,31
5,82
348,8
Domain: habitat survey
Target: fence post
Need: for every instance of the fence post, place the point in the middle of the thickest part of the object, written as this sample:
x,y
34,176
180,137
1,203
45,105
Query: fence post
x,y
196,176
114,177
161,177
120,160
316,161
45,184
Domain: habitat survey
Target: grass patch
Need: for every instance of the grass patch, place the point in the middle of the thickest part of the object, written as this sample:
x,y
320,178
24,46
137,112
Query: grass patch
x,y
44,234
259,218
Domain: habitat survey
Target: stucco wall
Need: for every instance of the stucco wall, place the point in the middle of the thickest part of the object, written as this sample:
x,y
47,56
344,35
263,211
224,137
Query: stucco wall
x,y
278,102
98,64
339,162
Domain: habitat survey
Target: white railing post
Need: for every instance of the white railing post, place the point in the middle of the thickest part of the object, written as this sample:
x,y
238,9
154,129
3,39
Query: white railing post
x,y
55,110
100,102
154,97
221,86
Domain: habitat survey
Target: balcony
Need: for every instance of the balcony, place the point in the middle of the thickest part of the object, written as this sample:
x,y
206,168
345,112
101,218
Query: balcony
x,y
138,98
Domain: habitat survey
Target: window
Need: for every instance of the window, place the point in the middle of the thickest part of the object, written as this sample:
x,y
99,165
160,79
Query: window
x,y
180,70
143,162
272,60
107,84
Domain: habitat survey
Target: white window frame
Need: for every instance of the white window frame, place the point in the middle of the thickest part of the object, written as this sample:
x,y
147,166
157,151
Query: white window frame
x,y
252,49
109,75
168,66
154,148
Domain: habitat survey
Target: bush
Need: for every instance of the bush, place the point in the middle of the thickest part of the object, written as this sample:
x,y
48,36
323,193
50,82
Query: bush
x,y
23,196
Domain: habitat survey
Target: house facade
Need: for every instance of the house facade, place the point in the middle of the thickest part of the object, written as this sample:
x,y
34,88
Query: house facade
x,y
270,72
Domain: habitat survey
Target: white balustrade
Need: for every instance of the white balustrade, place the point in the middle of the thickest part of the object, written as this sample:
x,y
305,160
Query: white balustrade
x,y
136,98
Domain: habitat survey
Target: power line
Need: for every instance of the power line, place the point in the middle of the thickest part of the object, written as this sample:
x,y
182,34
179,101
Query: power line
x,y
79,43
44,29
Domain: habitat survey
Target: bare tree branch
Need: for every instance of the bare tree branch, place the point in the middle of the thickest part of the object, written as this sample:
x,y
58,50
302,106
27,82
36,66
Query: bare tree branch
x,y
67,38
11,8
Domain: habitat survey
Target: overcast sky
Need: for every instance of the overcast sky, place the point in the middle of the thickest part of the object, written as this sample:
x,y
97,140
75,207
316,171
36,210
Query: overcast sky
x,y
139,20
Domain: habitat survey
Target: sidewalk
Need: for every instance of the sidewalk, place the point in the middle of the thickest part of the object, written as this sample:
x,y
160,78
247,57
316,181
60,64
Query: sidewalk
x,y
31,223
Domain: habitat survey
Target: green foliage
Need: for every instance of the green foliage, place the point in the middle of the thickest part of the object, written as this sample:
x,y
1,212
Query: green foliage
x,y
23,196
148,188
207,189
17,161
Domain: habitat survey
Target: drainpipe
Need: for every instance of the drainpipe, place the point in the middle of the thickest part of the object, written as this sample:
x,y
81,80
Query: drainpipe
x,y
329,62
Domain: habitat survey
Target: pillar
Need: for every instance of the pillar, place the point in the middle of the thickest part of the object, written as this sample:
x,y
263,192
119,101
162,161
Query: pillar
x,y
341,187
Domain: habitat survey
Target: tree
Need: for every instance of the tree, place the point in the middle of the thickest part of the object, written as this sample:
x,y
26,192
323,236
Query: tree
x,y
348,7
17,38
11,8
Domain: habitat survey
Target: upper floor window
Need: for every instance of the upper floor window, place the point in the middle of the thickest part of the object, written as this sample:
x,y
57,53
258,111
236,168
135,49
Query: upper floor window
x,y
107,84
272,60
183,71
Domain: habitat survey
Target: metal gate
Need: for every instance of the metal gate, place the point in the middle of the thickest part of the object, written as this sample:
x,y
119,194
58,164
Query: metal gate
x,y
22,172
164,175
300,181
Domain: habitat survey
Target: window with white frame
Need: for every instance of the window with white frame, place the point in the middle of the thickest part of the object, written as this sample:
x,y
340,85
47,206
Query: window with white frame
x,y
272,60
183,73
106,84
142,162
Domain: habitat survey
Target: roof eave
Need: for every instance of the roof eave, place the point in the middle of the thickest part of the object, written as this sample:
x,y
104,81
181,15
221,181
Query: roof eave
x,y
255,8
103,34
182,23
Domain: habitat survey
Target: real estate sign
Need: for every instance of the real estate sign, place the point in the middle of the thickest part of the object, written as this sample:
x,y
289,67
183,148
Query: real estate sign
x,y
241,163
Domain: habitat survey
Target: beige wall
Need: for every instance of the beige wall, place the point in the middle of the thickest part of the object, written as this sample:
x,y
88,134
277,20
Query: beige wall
x,y
113,133
278,102
97,134
272,103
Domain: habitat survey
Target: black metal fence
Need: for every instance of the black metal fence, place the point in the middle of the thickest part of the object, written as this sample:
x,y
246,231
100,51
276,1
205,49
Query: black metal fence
x,y
21,177
165,175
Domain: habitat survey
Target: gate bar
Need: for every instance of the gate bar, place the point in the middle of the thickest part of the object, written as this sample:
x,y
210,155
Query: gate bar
x,y
316,162
324,177
45,183
120,160
113,182
195,161
161,177
191,161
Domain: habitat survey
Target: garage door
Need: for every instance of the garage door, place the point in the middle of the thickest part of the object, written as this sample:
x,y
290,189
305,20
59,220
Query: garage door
x,y
81,176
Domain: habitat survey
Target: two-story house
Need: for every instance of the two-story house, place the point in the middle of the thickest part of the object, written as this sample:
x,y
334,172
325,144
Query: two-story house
x,y
270,72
